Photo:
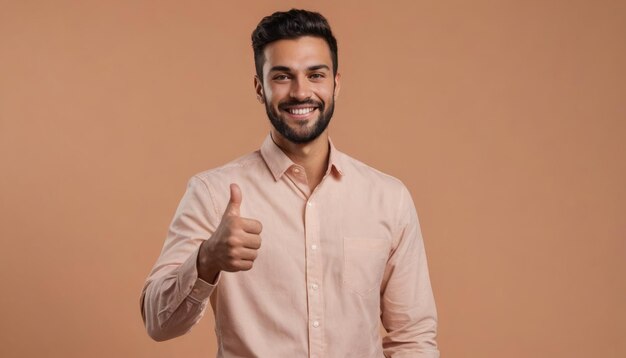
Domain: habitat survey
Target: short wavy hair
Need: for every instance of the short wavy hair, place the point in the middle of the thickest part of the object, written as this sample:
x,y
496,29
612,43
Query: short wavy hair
x,y
290,25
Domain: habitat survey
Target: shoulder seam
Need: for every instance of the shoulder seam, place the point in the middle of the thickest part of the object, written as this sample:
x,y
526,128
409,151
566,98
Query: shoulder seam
x,y
208,187
364,165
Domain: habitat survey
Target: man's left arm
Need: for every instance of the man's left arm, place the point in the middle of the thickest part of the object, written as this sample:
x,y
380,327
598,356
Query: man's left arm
x,y
407,304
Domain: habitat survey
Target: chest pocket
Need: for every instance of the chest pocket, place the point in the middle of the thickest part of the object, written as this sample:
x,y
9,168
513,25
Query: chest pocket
x,y
364,263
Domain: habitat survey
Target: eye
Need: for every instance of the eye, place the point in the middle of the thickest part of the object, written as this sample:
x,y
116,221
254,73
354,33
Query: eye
x,y
281,77
317,76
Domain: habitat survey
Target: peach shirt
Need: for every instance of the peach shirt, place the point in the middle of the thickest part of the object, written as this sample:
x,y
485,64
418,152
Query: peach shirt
x,y
333,263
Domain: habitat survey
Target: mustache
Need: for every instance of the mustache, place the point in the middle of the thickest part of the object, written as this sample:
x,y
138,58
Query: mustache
x,y
300,103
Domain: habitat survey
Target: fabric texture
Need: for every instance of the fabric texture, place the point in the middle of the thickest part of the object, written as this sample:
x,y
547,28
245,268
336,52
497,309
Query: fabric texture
x,y
334,263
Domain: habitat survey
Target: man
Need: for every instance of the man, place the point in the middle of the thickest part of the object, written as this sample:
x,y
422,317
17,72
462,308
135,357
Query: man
x,y
301,250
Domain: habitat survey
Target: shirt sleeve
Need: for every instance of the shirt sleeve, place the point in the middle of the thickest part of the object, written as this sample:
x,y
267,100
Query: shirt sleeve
x,y
174,298
408,310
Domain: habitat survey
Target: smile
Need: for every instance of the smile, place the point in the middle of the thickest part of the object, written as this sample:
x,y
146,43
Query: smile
x,y
301,111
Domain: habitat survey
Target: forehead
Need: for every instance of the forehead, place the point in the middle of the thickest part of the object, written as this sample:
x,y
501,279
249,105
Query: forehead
x,y
298,53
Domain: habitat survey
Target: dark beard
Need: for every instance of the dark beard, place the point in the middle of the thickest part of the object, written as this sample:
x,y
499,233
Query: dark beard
x,y
293,136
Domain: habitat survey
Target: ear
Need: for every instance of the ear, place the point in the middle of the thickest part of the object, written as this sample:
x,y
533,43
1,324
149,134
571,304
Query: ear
x,y
258,88
337,85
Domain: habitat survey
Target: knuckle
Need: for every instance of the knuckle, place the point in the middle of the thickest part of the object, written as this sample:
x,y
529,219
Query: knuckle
x,y
234,241
232,254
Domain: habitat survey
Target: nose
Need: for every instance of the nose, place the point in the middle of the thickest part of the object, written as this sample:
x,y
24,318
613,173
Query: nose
x,y
300,89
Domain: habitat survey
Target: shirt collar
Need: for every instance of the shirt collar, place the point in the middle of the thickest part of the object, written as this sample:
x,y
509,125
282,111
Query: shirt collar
x,y
278,162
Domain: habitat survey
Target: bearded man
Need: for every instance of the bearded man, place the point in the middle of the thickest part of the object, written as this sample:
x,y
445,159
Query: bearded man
x,y
301,250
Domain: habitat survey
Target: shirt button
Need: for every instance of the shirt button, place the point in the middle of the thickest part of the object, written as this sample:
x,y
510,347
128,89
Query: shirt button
x,y
316,324
309,203
314,286
296,170
313,247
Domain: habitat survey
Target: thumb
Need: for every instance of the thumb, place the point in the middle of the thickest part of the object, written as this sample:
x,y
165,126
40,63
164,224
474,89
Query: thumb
x,y
235,201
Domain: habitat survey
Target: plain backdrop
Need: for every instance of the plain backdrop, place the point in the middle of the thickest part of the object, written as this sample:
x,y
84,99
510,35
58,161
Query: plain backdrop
x,y
505,119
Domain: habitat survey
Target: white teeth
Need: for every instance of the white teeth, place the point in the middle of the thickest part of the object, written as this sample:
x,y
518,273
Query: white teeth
x,y
301,110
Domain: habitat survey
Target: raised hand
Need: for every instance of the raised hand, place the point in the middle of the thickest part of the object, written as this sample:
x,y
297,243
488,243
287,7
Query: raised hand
x,y
235,243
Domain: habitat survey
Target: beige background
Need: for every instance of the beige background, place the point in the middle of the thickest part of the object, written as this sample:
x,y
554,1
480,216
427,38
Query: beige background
x,y
506,120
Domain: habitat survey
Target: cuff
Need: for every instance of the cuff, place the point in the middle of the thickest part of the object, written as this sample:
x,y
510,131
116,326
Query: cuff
x,y
193,286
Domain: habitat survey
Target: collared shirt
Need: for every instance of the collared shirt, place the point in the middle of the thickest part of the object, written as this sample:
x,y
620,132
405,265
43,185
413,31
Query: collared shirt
x,y
333,264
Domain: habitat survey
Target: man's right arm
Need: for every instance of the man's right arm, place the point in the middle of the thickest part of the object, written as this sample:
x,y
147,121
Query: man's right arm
x,y
176,293
174,298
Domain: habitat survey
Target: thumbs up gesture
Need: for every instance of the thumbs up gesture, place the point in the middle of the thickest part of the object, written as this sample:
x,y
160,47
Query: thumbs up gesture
x,y
234,244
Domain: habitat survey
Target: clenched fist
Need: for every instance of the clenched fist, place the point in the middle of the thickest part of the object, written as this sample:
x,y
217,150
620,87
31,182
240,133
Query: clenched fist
x,y
234,244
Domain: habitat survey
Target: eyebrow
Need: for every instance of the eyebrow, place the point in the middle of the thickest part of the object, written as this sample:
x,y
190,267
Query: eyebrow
x,y
287,69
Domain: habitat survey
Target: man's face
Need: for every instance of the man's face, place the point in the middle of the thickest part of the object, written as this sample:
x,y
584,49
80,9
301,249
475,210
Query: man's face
x,y
298,87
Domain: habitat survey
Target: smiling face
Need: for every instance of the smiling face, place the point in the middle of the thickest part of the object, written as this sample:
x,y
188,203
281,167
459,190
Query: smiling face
x,y
298,87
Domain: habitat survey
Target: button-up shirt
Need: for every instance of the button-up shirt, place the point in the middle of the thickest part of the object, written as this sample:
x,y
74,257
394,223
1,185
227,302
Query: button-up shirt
x,y
334,263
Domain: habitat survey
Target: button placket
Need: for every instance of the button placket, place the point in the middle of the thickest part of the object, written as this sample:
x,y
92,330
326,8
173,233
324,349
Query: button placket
x,y
314,278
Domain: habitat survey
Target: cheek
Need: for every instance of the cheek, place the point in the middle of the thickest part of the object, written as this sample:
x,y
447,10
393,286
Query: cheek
x,y
326,92
275,95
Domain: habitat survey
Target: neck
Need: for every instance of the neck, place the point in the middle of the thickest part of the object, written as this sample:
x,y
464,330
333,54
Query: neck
x,y
312,156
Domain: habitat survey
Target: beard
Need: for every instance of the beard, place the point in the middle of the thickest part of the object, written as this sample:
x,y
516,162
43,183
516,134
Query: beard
x,y
309,135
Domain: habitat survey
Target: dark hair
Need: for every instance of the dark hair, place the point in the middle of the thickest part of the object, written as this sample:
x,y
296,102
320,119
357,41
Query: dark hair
x,y
290,25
